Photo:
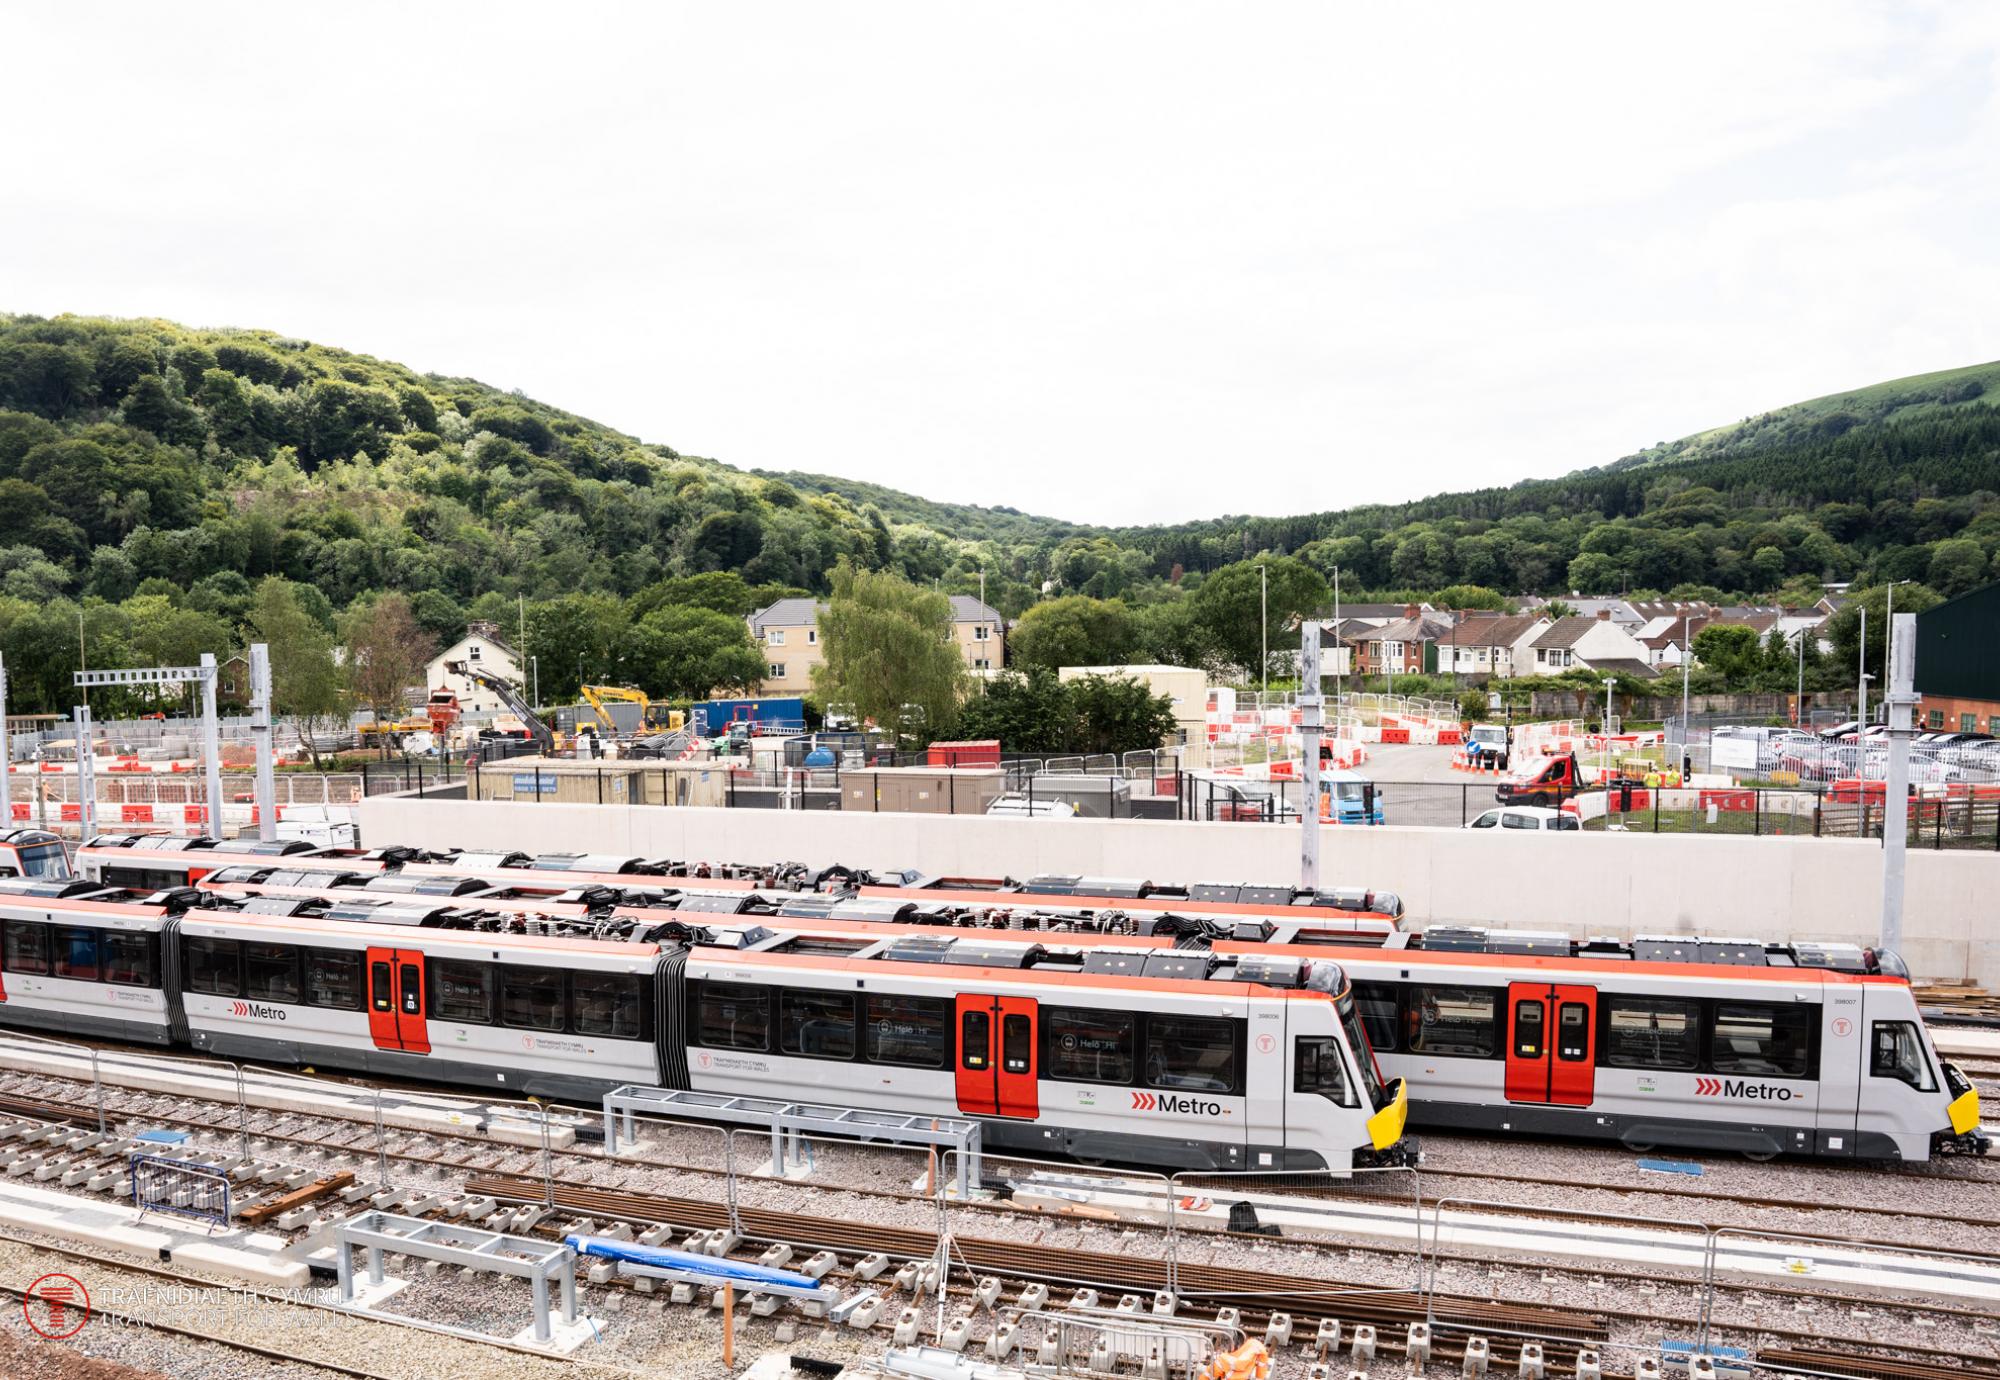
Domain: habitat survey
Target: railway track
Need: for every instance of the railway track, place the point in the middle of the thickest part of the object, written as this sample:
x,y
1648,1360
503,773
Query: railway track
x,y
1819,1362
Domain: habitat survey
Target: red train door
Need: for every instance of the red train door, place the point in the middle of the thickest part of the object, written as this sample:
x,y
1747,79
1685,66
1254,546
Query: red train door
x,y
1551,1044
996,1056
395,983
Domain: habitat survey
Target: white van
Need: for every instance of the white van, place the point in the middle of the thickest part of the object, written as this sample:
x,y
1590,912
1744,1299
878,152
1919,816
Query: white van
x,y
1527,817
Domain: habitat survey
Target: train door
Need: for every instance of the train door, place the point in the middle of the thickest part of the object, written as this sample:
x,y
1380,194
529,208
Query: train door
x,y
396,1000
1551,1044
996,1056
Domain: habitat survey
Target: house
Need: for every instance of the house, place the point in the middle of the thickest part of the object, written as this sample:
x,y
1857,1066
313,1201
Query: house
x,y
787,632
1620,611
1489,644
480,647
1401,646
1590,644
1667,637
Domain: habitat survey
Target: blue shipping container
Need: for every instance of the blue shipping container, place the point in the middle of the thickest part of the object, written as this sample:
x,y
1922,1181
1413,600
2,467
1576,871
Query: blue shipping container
x,y
712,718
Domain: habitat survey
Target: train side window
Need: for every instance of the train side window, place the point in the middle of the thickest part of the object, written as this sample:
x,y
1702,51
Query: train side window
x,y
1529,1032
1317,1068
605,1004
734,1017
333,979
212,967
1767,1041
27,947
271,972
1090,1046
411,990
531,998
76,953
1898,1052
461,991
906,1030
130,960
976,1040
818,1025
378,988
1573,1032
1651,1033
1376,1003
1191,1053
1460,1021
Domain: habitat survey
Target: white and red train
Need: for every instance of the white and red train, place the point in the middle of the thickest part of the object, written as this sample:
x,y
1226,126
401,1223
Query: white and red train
x,y
1673,1041
1120,1048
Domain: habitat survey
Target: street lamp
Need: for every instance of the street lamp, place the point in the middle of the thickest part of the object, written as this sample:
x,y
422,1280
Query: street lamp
x,y
1264,619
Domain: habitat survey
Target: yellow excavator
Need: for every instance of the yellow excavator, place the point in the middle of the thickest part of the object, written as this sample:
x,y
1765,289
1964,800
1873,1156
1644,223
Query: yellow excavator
x,y
597,696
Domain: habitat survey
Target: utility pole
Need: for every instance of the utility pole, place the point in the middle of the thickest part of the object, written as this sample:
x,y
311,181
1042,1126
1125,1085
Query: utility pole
x,y
260,732
1609,684
1799,703
6,755
86,780
1687,658
1340,643
1264,619
1861,693
1900,700
1311,718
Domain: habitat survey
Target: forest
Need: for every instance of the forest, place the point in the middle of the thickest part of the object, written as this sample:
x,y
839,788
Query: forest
x,y
155,478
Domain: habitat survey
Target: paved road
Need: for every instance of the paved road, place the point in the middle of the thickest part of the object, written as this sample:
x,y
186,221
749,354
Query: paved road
x,y
1421,788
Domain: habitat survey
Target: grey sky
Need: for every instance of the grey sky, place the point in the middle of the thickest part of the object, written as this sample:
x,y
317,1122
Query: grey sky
x,y
1116,263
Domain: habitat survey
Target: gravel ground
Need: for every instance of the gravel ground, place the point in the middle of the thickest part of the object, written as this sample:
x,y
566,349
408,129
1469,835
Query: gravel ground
x,y
658,1338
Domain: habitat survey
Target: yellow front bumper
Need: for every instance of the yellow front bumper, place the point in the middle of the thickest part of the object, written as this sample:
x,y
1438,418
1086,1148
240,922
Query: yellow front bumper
x,y
1964,1113
1385,1128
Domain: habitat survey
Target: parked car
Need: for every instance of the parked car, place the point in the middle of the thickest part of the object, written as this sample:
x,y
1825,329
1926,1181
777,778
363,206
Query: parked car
x,y
1351,799
1527,817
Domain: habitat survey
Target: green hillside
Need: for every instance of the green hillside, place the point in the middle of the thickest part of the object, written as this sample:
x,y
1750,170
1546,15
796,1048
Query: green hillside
x,y
156,480
1836,414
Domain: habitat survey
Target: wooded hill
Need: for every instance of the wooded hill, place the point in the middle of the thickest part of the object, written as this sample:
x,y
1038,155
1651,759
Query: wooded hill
x,y
140,459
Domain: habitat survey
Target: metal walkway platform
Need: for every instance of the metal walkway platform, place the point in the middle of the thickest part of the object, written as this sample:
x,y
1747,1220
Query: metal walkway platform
x,y
791,1120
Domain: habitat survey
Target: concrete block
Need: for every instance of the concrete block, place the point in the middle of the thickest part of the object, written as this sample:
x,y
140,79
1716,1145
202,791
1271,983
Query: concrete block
x,y
1033,1297
956,1334
1589,1366
870,1266
763,1305
1363,1347
865,1312
1477,1354
1278,1331
775,1256
1000,1342
1533,1366
986,1292
1328,1340
907,1324
1417,1343
819,1265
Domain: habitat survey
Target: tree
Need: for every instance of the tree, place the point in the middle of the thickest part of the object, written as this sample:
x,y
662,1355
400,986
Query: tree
x,y
1229,601
1072,631
1025,712
1843,630
686,652
1732,652
889,653
306,680
387,653
1957,566
1118,714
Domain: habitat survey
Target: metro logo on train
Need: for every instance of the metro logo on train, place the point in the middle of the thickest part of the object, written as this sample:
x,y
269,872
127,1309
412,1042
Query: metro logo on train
x,y
256,1009
1736,1087
1175,1105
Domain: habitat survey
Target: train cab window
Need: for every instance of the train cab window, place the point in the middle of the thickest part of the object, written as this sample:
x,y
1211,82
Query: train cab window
x,y
461,991
733,1017
1651,1033
1376,1002
606,1004
1529,1032
1898,1052
1460,1021
818,1025
1768,1041
906,1030
1191,1054
76,953
130,960
212,968
271,972
1090,1046
976,1040
531,998
333,979
1317,1068
27,947
1016,1044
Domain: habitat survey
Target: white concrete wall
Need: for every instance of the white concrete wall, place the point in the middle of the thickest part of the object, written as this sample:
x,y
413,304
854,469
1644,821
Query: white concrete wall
x,y
1590,883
